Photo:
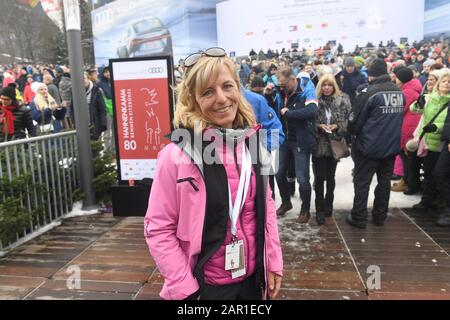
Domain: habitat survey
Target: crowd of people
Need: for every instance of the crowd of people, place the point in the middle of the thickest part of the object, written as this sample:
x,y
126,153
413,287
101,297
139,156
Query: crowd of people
x,y
211,226
37,100
412,134
212,229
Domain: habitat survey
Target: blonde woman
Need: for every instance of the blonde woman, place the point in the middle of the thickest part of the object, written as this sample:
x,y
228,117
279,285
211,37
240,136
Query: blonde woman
x,y
45,111
434,115
334,107
202,215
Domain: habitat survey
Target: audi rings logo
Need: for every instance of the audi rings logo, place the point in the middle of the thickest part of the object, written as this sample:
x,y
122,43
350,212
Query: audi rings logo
x,y
153,70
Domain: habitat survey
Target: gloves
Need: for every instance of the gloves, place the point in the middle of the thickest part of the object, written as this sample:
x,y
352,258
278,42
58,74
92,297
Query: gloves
x,y
430,128
421,102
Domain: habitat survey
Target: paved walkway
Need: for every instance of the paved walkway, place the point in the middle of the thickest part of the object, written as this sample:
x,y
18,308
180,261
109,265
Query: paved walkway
x,y
330,262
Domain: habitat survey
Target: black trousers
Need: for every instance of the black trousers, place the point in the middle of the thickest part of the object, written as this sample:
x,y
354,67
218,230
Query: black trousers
x,y
411,170
430,189
442,175
324,171
365,169
246,290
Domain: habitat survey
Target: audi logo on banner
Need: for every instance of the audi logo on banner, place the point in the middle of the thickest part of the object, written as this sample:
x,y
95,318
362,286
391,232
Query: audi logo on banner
x,y
153,70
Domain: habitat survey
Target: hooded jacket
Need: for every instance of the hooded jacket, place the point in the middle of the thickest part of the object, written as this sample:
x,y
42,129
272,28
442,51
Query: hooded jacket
x,y
187,222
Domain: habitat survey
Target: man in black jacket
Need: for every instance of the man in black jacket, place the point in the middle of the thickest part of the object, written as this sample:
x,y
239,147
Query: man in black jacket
x,y
299,113
375,121
97,111
442,173
14,119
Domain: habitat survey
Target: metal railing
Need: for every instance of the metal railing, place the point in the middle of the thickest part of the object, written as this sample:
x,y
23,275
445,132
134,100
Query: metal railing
x,y
42,174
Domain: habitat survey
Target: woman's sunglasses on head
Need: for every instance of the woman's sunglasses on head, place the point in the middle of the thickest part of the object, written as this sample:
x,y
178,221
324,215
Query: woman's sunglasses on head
x,y
214,52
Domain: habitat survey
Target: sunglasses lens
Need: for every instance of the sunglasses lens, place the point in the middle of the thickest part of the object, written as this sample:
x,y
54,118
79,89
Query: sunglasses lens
x,y
215,52
192,59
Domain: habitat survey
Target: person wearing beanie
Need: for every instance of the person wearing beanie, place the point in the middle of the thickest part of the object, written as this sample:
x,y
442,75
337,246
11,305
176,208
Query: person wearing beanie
x,y
403,75
378,68
15,119
8,78
350,79
28,94
375,123
426,71
45,110
412,89
349,62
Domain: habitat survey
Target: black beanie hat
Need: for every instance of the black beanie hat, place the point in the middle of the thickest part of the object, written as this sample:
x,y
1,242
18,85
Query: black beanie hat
x,y
378,68
404,74
9,92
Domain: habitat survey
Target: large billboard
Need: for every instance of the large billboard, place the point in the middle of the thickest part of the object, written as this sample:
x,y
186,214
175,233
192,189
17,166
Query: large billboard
x,y
136,28
314,23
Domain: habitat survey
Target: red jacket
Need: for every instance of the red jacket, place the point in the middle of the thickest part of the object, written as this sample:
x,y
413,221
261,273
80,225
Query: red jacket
x,y
28,95
412,91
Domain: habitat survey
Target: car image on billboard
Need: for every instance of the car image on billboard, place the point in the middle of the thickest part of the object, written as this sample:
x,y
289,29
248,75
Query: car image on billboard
x,y
145,37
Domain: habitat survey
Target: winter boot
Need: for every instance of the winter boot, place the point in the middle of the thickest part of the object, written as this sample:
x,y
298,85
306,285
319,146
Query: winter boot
x,y
401,186
304,217
283,209
320,213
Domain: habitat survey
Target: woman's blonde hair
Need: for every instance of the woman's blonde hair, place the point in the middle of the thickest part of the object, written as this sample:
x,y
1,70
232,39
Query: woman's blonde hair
x,y
328,78
196,80
41,102
444,74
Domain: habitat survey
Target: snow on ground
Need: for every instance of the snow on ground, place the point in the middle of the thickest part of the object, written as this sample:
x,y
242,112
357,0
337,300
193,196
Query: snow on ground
x,y
77,211
344,193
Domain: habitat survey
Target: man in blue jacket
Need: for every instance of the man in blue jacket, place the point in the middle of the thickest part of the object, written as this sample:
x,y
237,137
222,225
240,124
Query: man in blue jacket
x,y
375,122
299,112
266,117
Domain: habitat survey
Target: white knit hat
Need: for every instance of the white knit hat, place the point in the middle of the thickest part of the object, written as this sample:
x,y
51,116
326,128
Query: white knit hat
x,y
439,73
36,85
429,63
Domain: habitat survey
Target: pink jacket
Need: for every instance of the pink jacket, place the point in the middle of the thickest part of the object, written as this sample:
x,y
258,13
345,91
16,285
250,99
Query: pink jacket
x,y
412,91
174,226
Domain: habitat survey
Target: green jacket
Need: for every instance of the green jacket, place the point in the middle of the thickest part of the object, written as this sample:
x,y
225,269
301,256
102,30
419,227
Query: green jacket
x,y
434,103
